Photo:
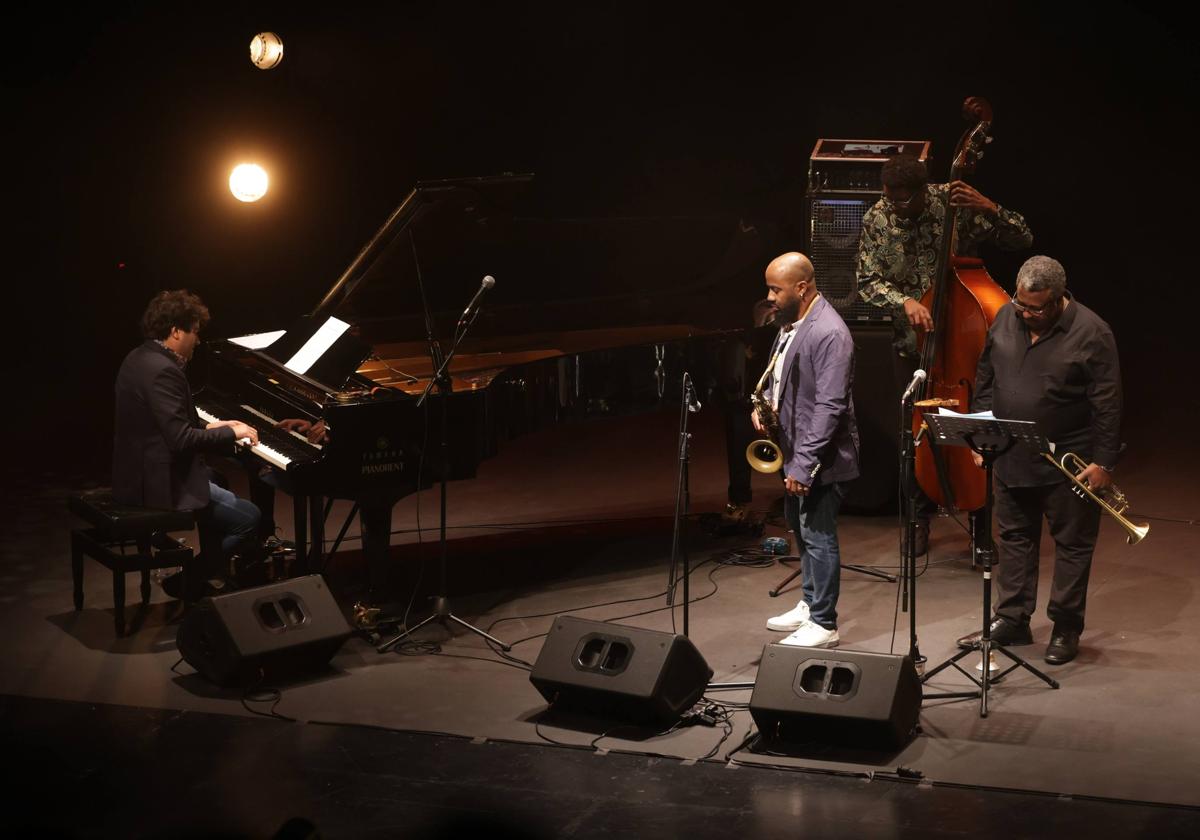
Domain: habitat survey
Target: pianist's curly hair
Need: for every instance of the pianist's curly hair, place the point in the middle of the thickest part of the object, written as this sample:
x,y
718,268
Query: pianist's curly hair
x,y
904,171
178,308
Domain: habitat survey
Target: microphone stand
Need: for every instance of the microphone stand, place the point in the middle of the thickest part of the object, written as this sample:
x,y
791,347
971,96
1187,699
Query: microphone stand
x,y
689,405
441,378
908,543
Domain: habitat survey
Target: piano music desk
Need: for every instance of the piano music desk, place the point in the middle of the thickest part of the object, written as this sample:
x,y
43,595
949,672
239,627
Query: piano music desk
x,y
115,528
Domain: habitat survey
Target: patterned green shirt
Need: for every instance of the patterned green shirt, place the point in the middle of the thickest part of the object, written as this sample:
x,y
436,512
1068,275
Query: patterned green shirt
x,y
897,257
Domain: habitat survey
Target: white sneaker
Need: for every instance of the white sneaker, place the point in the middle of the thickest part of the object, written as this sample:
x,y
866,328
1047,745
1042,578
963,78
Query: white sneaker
x,y
790,620
812,635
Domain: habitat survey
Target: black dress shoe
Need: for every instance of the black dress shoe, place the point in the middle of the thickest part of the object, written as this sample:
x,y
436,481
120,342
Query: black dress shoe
x,y
1063,647
1003,632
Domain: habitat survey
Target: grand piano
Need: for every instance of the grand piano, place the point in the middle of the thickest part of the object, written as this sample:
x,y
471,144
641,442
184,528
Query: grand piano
x,y
589,315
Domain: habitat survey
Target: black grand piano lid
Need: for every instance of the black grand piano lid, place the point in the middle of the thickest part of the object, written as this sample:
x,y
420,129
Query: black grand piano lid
x,y
558,264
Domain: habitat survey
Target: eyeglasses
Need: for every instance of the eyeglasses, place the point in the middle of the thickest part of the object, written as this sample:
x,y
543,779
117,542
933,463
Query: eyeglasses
x,y
1035,310
906,203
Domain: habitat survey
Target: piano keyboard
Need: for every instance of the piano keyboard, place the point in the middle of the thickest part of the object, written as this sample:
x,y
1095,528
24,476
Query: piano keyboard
x,y
268,453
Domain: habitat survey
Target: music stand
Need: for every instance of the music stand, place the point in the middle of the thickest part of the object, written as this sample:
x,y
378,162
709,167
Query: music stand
x,y
990,438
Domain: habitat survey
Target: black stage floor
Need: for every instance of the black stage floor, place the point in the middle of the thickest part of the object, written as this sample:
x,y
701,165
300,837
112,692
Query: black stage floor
x,y
98,770
453,735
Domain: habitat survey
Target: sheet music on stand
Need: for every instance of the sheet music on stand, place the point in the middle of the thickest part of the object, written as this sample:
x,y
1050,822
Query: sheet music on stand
x,y
985,431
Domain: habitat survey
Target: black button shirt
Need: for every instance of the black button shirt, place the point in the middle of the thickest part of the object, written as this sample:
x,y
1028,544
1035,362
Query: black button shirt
x,y
1068,381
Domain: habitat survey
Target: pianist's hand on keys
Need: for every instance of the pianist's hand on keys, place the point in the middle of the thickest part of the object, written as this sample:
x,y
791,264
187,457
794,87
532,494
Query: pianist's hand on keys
x,y
243,434
316,433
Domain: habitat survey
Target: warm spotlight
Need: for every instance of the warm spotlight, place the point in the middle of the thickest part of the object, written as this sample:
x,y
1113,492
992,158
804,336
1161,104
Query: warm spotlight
x,y
266,50
248,182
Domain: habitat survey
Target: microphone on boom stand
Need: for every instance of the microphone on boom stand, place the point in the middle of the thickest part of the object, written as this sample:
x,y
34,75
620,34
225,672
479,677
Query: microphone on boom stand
x,y
472,307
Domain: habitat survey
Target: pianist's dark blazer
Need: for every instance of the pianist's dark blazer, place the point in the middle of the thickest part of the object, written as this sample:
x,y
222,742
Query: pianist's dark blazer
x,y
158,438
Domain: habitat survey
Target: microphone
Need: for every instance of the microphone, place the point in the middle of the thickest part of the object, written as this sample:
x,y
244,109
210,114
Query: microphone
x,y
689,394
918,378
487,283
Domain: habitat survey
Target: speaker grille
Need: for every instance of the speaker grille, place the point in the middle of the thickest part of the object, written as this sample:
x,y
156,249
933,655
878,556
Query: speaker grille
x,y
834,228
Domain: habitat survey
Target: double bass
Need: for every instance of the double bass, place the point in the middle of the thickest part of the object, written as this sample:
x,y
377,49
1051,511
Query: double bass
x,y
963,302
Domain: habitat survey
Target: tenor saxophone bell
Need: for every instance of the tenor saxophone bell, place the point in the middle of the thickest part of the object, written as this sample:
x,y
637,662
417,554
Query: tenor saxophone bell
x,y
765,456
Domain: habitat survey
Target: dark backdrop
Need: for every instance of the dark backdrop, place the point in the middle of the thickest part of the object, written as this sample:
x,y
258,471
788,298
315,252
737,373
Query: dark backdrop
x,y
127,121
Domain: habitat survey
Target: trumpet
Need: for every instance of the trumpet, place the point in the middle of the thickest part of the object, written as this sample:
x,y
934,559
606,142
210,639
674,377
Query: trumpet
x,y
1110,499
764,454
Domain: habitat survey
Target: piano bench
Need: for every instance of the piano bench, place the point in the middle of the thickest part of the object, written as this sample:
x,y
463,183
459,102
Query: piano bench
x,y
116,528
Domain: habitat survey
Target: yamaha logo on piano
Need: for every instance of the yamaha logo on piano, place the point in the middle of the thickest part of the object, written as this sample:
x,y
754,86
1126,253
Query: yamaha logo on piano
x,y
384,459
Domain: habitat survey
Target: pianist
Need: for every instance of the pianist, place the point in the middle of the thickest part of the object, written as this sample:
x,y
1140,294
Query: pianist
x,y
159,440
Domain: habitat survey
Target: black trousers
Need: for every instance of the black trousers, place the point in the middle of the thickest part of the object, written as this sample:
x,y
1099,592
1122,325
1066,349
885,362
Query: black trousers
x,y
739,434
1074,524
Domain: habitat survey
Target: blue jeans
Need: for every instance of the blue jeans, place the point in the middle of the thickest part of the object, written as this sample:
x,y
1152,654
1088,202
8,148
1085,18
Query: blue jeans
x,y
233,518
813,519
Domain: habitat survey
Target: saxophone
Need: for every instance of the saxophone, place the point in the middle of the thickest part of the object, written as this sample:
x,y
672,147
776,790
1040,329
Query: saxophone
x,y
764,454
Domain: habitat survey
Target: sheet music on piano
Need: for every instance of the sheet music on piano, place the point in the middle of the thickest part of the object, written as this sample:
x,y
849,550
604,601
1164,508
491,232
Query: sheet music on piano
x,y
258,341
324,349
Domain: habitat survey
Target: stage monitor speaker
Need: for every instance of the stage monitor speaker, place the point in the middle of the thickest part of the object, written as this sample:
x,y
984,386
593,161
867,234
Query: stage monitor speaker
x,y
844,698
280,630
620,673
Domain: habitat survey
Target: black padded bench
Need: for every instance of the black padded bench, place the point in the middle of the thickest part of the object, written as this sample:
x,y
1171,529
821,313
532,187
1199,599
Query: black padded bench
x,y
117,528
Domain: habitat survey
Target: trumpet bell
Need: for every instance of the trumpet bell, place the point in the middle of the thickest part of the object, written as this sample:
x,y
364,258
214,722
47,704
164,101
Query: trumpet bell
x,y
1135,533
765,456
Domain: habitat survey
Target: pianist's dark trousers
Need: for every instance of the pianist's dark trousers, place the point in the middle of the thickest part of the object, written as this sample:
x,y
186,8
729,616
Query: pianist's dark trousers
x,y
233,519
225,524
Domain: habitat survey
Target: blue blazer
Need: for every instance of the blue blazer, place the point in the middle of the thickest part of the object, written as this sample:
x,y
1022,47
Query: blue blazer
x,y
816,408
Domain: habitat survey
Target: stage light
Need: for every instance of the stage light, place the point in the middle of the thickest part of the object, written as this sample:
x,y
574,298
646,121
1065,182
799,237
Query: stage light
x,y
248,182
266,50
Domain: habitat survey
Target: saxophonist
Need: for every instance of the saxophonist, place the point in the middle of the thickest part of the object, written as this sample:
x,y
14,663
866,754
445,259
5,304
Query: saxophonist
x,y
808,387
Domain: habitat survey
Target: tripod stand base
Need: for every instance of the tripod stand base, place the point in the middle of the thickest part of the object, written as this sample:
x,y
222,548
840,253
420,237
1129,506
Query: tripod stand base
x,y
441,613
984,682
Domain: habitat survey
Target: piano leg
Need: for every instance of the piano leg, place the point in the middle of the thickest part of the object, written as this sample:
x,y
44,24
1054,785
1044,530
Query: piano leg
x,y
316,555
300,525
376,519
